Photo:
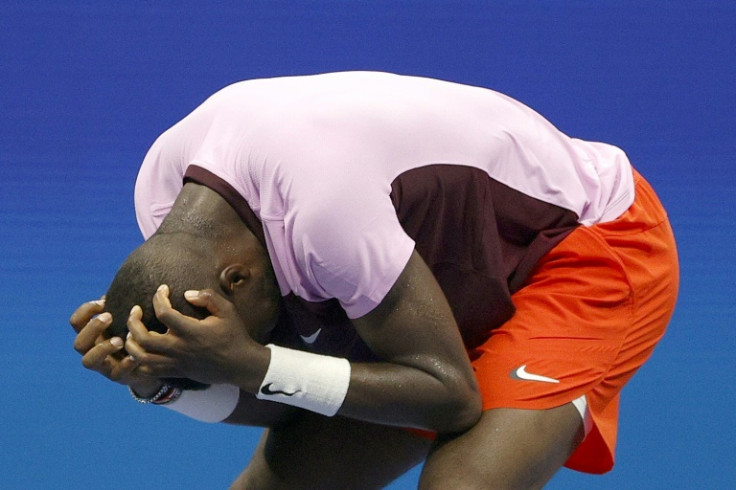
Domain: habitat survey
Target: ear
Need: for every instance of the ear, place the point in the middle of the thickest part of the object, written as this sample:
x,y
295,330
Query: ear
x,y
232,277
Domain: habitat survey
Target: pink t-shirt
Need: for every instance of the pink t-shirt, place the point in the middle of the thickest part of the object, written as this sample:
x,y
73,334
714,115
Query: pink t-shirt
x,y
315,158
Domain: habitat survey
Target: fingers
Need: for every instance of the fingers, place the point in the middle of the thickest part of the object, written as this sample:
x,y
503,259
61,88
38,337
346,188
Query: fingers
x,y
207,298
95,357
88,334
143,346
150,364
121,370
147,350
161,300
178,323
85,312
100,359
163,309
144,339
99,354
145,361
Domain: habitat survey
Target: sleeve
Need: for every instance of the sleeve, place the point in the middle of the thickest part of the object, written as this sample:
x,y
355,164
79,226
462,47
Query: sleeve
x,y
351,247
159,181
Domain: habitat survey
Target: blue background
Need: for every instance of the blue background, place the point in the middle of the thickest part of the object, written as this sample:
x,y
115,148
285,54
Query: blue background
x,y
85,87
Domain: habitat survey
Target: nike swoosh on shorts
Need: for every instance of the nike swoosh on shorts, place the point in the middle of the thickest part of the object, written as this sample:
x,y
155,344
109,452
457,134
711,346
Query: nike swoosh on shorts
x,y
523,374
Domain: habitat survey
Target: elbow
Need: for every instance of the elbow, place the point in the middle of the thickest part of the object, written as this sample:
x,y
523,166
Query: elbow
x,y
465,415
460,411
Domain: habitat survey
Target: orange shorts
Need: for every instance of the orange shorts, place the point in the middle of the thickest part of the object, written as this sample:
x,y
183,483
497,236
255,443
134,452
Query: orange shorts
x,y
588,316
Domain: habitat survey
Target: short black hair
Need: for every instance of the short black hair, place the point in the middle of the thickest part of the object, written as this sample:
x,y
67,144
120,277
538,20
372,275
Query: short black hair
x,y
180,261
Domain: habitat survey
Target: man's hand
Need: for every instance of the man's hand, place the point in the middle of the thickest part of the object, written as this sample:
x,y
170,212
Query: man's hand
x,y
216,349
105,355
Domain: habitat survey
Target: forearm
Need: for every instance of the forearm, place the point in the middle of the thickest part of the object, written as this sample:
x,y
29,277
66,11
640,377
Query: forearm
x,y
220,403
399,395
424,393
259,413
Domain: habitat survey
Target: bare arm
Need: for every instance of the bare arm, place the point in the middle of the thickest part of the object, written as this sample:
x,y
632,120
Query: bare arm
x,y
427,380
259,413
103,355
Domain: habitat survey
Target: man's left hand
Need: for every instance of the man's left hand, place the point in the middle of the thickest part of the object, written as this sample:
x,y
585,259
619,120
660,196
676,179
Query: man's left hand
x,y
216,349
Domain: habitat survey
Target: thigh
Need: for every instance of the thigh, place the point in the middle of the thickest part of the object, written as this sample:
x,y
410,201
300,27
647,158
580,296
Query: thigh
x,y
508,448
313,451
572,319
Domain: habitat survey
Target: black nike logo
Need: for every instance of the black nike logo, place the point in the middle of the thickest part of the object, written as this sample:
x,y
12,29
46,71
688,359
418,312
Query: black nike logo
x,y
266,390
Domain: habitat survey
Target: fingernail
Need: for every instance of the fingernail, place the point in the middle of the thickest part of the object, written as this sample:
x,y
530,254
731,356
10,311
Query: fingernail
x,y
99,302
191,294
104,317
132,310
116,341
127,337
131,358
163,288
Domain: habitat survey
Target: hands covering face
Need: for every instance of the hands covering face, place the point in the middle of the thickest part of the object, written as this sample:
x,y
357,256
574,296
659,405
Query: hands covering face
x,y
211,350
216,349
104,355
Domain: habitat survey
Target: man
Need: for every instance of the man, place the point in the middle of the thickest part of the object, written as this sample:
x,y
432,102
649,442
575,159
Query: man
x,y
386,269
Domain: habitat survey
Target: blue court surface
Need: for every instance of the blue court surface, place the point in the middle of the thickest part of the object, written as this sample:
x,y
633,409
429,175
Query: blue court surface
x,y
86,86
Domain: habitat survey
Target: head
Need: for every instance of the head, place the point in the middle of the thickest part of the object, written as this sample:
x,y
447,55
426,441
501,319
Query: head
x,y
177,261
197,247
161,260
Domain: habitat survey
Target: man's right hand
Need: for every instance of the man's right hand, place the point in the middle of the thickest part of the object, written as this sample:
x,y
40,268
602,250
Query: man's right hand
x,y
106,356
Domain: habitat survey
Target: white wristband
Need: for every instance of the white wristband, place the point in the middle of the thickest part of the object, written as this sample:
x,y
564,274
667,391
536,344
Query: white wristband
x,y
211,405
301,379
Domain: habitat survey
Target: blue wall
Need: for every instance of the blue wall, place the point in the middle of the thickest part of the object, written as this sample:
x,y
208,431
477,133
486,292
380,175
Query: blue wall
x,y
85,87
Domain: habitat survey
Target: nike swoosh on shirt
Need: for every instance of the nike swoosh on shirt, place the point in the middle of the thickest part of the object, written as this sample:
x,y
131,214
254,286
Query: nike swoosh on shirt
x,y
522,373
266,390
310,339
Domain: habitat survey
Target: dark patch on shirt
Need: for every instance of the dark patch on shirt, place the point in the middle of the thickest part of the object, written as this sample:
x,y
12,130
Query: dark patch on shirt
x,y
481,239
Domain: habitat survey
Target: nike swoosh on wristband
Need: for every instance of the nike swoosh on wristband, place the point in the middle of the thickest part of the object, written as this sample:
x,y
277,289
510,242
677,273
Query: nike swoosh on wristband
x,y
521,373
310,339
266,390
